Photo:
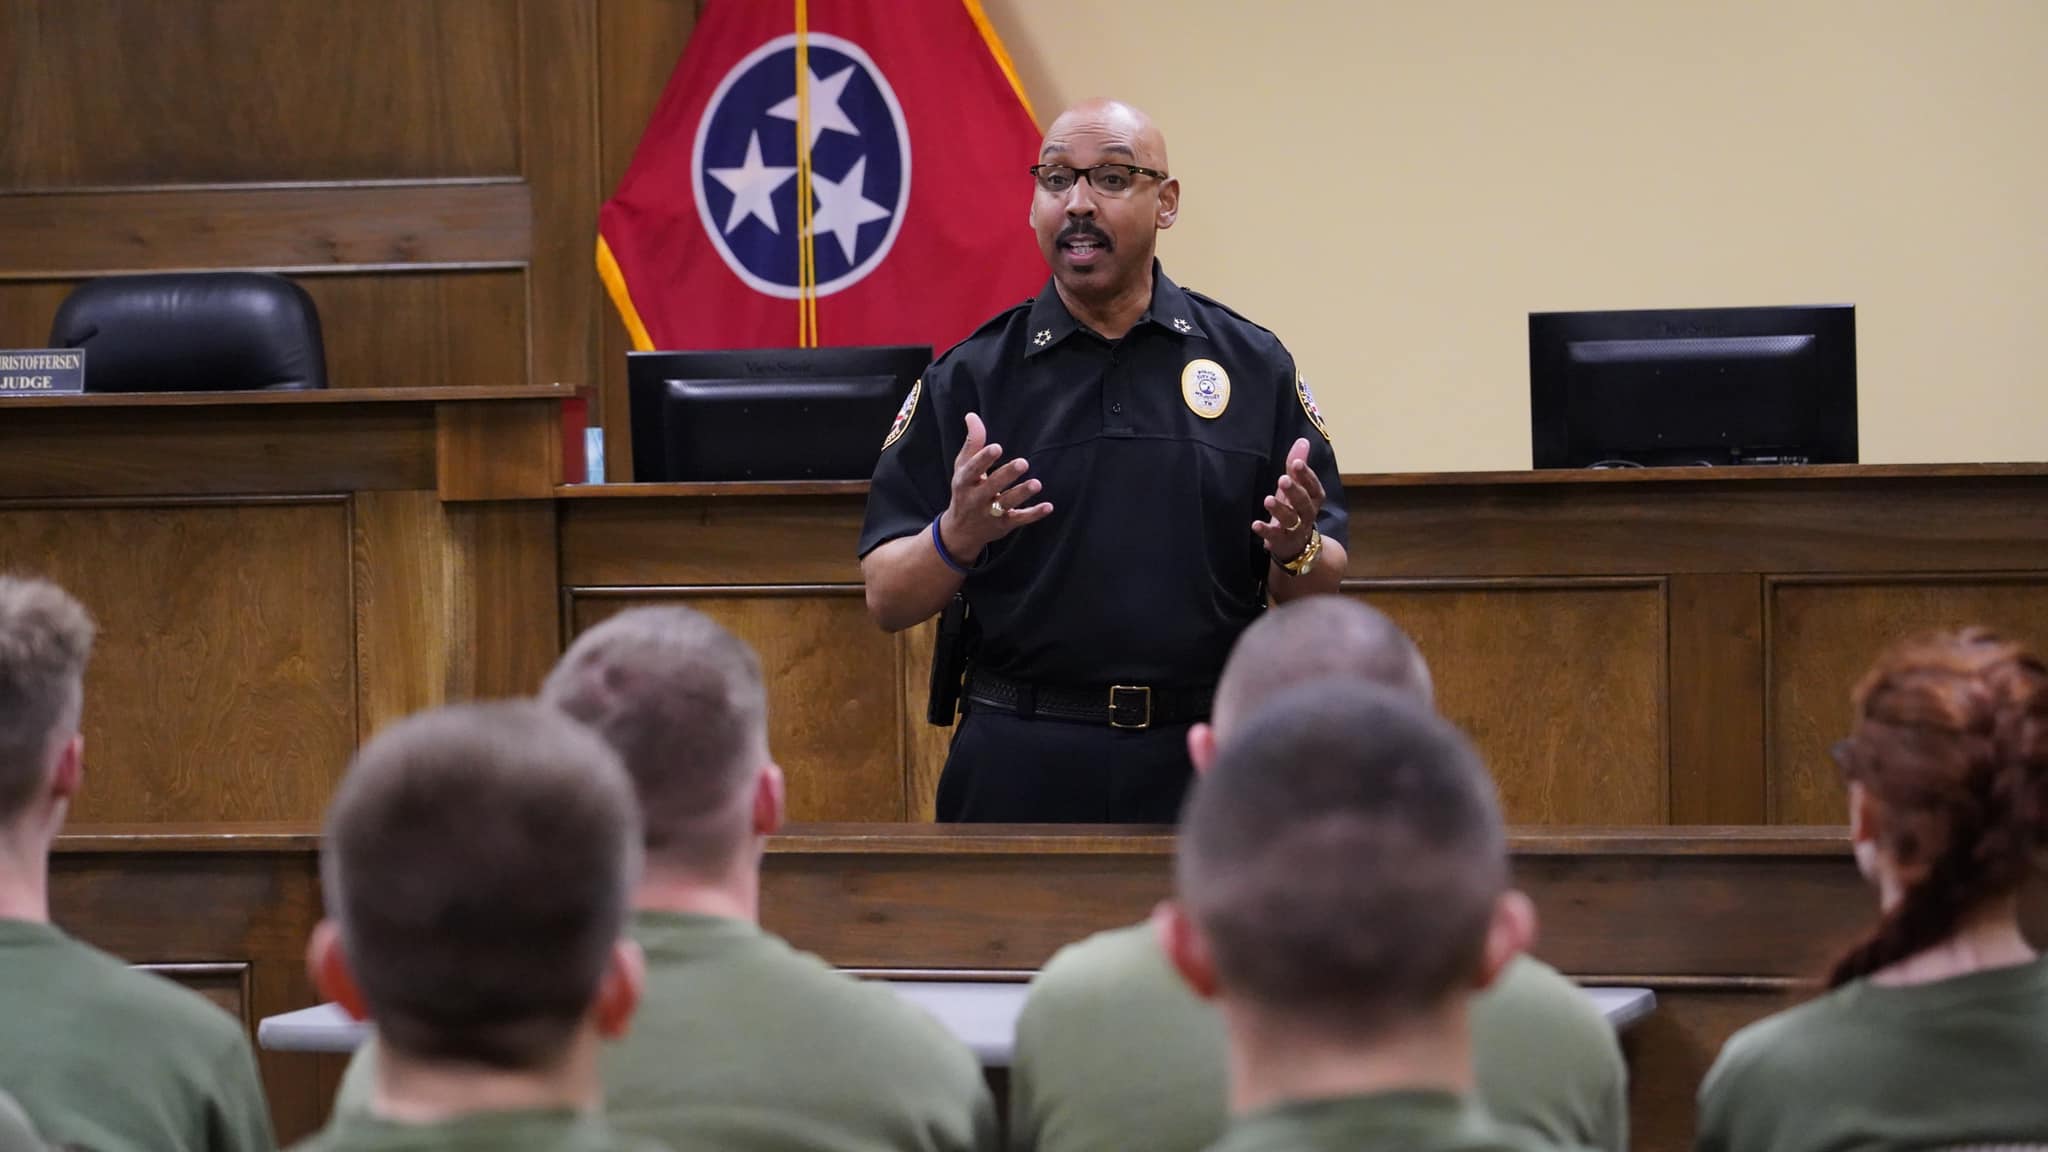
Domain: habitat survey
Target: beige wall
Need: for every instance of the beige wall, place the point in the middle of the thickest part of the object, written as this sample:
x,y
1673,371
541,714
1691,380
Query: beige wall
x,y
1393,185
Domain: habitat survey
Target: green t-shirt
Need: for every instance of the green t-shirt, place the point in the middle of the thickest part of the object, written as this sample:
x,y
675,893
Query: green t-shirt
x,y
16,1133
539,1130
1394,1121
1114,1054
1959,1061
741,1042
109,1058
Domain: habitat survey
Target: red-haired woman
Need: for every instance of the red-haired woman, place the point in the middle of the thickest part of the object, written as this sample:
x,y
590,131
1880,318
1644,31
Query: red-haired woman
x,y
1935,1030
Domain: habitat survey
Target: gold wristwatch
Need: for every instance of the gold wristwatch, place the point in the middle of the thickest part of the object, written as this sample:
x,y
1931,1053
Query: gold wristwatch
x,y
1301,565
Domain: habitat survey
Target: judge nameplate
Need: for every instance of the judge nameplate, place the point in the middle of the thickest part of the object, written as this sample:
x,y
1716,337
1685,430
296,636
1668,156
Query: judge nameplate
x,y
42,371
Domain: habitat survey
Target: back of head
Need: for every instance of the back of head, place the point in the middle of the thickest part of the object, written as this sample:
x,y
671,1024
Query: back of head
x,y
1344,859
682,701
1318,638
45,640
479,861
1951,741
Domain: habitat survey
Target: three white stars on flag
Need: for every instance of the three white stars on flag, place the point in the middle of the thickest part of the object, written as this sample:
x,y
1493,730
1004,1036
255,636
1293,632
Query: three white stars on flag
x,y
842,205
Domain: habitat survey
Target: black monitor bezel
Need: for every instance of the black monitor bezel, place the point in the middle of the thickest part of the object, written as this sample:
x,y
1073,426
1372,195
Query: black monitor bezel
x,y
1552,333
648,374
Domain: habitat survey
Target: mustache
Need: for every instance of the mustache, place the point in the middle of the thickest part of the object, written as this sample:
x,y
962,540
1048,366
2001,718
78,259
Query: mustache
x,y
1082,229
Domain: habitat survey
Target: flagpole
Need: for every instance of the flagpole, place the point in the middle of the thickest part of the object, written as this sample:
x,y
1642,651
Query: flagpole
x,y
807,258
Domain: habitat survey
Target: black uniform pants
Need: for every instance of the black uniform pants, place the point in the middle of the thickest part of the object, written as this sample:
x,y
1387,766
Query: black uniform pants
x,y
1004,769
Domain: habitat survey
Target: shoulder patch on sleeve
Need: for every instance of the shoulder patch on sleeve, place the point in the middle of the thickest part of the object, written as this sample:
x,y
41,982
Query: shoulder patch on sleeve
x,y
909,409
1308,405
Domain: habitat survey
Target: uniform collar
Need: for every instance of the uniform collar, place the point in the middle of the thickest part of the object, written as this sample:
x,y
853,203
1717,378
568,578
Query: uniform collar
x,y
1051,323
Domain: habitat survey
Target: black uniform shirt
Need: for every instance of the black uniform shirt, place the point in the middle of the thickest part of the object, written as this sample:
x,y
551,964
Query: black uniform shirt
x,y
1147,569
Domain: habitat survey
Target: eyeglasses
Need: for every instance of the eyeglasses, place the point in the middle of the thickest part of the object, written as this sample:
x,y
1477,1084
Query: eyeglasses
x,y
1108,179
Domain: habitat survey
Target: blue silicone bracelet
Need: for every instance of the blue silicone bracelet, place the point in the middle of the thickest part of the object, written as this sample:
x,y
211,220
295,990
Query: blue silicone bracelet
x,y
939,546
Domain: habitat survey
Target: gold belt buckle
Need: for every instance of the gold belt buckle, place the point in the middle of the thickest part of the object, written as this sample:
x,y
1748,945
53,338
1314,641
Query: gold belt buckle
x,y
1143,691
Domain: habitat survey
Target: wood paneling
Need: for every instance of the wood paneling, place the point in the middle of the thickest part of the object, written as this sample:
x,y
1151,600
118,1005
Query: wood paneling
x,y
1672,521
422,329
1561,684
381,330
27,309
559,153
453,603
405,648
1614,671
104,92
222,685
638,45
507,611
1717,690
492,450
835,703
1669,1054
1825,633
226,986
711,540
55,236
925,744
79,452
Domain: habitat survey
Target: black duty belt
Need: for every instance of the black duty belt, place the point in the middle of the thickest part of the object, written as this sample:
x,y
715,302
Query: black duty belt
x,y
1117,705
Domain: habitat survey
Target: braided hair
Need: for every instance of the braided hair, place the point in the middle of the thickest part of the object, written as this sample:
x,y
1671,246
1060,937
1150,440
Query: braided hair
x,y
1951,740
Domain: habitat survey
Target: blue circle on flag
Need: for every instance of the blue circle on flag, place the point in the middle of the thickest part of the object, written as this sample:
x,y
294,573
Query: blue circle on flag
x,y
745,166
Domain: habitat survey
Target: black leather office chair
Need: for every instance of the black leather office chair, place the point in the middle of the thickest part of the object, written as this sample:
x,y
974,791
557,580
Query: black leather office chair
x,y
194,332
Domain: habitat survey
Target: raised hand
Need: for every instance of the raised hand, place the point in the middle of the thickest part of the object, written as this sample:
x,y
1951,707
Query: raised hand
x,y
989,502
1291,509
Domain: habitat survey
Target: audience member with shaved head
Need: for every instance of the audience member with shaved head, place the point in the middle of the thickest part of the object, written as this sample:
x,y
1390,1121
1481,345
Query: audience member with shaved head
x,y
97,1054
742,1042
1118,476
477,869
1114,1052
1341,892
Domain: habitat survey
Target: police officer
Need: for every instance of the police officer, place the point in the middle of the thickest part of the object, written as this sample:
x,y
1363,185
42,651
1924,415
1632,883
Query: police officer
x,y
1118,474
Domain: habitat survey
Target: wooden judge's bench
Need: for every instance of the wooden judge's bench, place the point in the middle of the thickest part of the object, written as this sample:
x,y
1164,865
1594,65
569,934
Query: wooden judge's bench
x,y
1653,661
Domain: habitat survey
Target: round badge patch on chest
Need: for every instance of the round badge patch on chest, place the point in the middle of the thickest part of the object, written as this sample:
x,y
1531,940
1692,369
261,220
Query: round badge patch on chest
x,y
1206,388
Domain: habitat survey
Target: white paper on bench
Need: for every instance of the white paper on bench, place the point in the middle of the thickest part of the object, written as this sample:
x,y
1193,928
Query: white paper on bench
x,y
982,1014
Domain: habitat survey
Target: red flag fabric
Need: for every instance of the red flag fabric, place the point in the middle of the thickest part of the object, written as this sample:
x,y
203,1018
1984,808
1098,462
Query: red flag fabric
x,y
918,137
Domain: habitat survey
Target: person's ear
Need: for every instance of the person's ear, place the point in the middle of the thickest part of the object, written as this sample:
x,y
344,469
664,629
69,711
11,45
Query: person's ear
x,y
1169,203
1511,933
1866,829
618,991
770,800
1185,947
327,964
1202,747
67,775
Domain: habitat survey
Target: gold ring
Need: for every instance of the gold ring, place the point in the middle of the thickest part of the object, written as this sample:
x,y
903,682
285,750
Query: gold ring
x,y
996,509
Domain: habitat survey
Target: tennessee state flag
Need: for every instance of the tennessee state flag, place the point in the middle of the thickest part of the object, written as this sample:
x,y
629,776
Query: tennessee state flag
x,y
915,140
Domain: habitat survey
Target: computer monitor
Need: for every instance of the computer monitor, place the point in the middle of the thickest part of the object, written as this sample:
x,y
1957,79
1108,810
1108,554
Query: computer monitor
x,y
1693,386
766,413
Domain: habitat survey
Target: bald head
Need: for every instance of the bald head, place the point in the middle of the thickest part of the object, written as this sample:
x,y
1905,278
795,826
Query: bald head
x,y
1124,132
1317,638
